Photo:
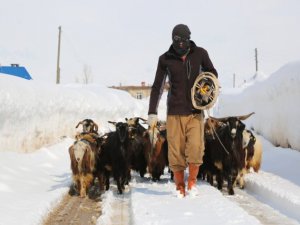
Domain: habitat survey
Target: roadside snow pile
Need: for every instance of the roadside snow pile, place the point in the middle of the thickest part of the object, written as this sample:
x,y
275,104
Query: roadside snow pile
x,y
280,161
274,101
276,191
32,184
33,114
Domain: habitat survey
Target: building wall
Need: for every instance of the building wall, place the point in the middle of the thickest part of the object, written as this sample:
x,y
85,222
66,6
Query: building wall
x,y
138,92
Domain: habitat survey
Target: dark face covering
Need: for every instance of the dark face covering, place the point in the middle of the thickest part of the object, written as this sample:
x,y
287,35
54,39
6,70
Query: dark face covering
x,y
181,39
181,45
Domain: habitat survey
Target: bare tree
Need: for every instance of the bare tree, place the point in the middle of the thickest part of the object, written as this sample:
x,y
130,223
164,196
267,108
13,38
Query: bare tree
x,y
87,74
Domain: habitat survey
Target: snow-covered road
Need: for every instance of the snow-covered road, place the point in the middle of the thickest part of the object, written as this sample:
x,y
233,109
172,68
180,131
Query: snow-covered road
x,y
157,203
45,177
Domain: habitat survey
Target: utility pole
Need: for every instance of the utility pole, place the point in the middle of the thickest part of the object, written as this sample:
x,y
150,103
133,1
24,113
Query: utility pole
x,y
256,60
58,58
234,80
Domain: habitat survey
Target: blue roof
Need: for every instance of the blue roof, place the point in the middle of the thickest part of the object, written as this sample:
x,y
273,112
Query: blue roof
x,y
18,71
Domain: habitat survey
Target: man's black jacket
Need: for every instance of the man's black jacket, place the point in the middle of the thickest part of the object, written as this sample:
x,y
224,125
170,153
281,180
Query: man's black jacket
x,y
182,75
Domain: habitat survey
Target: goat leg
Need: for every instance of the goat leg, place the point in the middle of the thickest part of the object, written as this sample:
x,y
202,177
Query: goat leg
x,y
106,174
210,178
82,187
219,178
230,182
119,185
101,181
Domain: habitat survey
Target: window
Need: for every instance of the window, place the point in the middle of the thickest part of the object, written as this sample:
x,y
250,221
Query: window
x,y
139,95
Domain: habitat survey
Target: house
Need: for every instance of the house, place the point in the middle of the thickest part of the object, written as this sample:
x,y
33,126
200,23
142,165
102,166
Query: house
x,y
139,92
15,70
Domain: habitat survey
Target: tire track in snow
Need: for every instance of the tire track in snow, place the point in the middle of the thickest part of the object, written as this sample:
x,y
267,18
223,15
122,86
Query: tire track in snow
x,y
264,213
76,210
276,191
116,208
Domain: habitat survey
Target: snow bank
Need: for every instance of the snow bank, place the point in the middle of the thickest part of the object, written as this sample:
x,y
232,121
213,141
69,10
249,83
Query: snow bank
x,y
282,162
275,103
31,184
276,191
33,114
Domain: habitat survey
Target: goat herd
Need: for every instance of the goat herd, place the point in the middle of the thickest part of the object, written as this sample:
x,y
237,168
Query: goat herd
x,y
230,151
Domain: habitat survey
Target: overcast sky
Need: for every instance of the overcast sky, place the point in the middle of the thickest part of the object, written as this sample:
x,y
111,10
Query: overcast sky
x,y
120,41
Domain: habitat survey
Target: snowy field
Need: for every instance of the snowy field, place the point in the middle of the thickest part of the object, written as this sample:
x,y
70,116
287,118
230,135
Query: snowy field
x,y
37,125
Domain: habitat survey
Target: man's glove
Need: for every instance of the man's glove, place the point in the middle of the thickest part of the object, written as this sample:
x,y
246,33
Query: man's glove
x,y
152,120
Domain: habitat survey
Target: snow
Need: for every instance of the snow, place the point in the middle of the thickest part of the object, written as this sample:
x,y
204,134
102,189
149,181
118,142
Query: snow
x,y
30,184
37,126
275,103
173,210
272,190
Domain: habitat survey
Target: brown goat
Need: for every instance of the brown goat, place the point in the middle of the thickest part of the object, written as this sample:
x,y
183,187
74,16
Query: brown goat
x,y
82,158
255,160
157,159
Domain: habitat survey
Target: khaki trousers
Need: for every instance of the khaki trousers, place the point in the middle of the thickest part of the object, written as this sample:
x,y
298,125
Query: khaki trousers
x,y
185,135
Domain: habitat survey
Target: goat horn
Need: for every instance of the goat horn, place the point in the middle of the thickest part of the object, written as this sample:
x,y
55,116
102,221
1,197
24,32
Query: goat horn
x,y
78,124
245,116
114,123
224,119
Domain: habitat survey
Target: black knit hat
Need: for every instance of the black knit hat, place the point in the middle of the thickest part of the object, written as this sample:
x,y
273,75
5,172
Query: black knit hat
x,y
181,30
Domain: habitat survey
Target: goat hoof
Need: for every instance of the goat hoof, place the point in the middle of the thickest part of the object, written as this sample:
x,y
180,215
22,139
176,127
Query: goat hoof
x,y
142,174
231,192
72,191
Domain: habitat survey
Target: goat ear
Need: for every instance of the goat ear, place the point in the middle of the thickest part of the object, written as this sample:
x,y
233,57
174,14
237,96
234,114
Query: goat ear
x,y
78,124
142,119
242,125
146,134
209,124
71,151
245,116
96,127
74,163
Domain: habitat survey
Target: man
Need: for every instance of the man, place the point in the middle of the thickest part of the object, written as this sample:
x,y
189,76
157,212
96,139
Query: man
x,y
182,63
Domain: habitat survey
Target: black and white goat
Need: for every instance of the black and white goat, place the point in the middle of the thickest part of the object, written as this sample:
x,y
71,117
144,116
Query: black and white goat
x,y
225,156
